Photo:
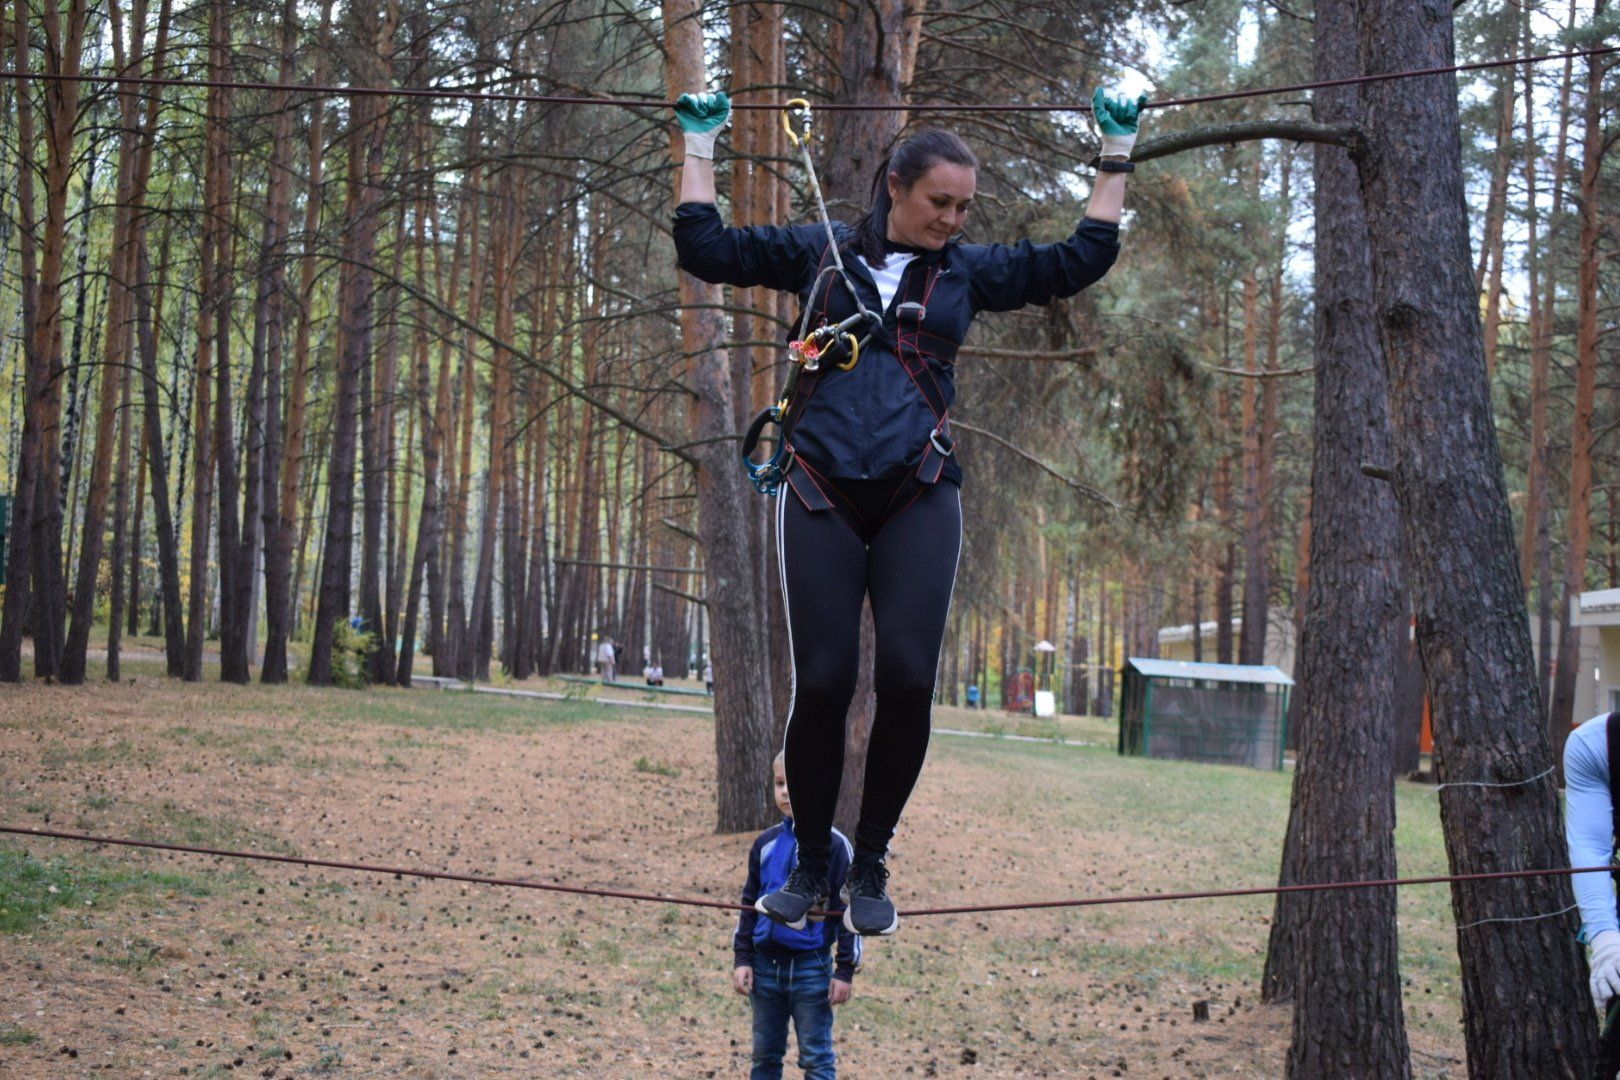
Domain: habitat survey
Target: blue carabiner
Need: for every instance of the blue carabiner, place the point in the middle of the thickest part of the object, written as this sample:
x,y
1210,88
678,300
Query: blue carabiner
x,y
766,476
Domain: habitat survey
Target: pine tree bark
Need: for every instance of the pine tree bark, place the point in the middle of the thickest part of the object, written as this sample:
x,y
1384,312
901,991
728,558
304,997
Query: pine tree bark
x,y
742,721
1459,553
1335,956
35,569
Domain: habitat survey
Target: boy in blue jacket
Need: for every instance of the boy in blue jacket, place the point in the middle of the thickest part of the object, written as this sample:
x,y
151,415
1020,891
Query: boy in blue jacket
x,y
791,972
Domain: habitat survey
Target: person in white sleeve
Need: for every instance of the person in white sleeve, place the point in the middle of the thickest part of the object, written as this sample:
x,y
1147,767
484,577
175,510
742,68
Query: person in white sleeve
x,y
1589,827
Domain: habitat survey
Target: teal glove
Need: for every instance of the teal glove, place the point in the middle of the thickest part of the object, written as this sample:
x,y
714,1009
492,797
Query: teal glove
x,y
702,116
1117,118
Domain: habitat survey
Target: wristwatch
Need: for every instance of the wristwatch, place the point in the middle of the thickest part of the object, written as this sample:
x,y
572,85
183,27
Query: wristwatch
x,y
1110,165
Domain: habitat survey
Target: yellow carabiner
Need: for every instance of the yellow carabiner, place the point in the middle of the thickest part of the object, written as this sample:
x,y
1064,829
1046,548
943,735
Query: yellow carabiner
x,y
854,354
803,107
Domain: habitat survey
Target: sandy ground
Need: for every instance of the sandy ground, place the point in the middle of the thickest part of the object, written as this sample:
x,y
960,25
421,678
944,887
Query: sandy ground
x,y
278,971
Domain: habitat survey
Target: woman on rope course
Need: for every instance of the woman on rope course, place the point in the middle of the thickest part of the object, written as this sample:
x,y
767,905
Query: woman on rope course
x,y
866,440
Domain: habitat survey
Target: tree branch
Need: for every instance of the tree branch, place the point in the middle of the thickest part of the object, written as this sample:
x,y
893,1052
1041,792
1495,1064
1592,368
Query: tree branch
x,y
1084,489
1345,135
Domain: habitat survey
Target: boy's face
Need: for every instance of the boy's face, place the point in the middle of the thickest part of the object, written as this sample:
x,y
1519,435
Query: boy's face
x,y
779,778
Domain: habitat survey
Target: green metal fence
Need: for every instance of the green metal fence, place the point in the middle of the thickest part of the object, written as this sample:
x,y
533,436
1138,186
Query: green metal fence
x,y
1228,714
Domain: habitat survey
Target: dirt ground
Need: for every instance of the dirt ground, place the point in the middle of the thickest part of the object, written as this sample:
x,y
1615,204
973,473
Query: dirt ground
x,y
177,965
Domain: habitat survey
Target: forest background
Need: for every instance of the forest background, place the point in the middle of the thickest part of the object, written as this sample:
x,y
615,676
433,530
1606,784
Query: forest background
x,y
275,358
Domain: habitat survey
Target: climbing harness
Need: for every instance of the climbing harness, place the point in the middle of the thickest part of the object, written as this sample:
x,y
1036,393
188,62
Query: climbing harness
x,y
811,350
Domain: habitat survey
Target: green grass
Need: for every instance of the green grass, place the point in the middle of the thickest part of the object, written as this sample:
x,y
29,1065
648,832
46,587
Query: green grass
x,y
31,888
657,768
1102,730
173,824
12,1035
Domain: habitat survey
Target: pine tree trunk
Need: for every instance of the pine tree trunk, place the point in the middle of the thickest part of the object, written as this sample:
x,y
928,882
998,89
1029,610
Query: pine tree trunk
x,y
1493,250
35,575
1335,956
368,127
235,582
1579,521
280,586
1459,552
130,192
742,722
1256,556
174,633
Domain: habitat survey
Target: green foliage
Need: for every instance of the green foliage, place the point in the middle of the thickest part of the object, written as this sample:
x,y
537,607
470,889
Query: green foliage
x,y
350,648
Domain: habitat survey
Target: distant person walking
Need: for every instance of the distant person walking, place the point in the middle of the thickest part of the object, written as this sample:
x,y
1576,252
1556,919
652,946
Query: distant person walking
x,y
607,659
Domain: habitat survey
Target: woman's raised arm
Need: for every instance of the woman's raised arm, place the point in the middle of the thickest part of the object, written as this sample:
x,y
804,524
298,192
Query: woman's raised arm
x,y
701,116
1117,119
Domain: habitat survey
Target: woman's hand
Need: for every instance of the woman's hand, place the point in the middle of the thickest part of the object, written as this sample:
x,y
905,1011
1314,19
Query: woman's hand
x,y
702,116
1117,118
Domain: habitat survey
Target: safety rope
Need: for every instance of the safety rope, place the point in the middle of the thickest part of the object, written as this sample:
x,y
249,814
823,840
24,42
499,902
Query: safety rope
x,y
460,94
836,344
653,898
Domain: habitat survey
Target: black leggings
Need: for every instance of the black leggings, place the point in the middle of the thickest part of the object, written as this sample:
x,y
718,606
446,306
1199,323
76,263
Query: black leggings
x,y
830,561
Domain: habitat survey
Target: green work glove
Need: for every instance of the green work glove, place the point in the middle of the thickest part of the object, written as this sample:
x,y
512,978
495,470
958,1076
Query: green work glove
x,y
1116,117
702,116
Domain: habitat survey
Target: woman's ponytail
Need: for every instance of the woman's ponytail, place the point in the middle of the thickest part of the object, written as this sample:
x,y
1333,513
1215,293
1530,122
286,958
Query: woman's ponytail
x,y
870,229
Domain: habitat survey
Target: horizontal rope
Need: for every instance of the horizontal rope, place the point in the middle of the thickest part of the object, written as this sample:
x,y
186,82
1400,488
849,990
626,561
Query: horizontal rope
x,y
1520,918
1548,771
652,898
459,94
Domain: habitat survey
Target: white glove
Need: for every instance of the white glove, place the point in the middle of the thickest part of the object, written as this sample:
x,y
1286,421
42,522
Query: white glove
x,y
702,116
1605,968
1117,118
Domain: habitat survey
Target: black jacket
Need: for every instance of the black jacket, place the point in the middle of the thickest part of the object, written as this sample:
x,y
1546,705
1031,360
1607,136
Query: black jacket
x,y
876,420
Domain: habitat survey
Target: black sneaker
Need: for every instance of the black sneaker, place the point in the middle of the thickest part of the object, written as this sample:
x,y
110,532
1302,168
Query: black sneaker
x,y
791,905
867,907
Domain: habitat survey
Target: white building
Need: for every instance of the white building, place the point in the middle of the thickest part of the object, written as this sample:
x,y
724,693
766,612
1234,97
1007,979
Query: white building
x,y
1597,683
1176,642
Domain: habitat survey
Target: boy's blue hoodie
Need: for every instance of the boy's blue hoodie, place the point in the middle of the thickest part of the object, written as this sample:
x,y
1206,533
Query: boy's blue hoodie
x,y
770,860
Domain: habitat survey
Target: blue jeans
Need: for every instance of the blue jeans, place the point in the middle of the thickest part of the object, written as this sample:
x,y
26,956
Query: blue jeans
x,y
796,988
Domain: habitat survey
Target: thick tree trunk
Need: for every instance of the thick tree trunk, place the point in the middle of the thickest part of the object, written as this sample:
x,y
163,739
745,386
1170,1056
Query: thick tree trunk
x,y
742,721
1459,552
1335,955
35,574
